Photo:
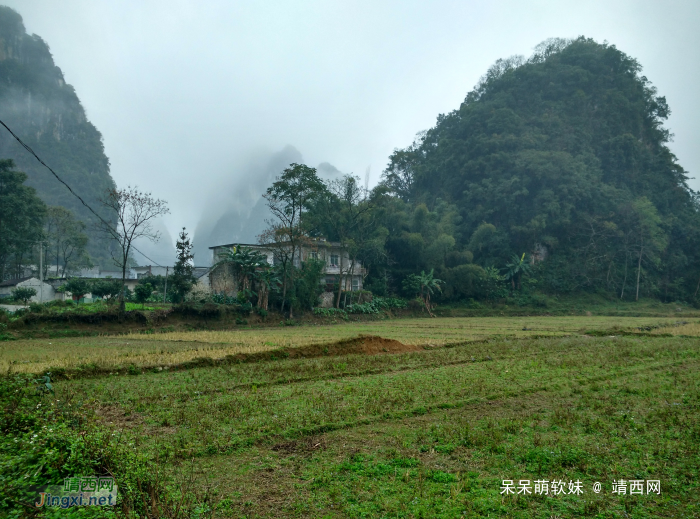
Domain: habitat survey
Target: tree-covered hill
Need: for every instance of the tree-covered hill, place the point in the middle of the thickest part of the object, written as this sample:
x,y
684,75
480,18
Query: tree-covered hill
x,y
45,112
562,156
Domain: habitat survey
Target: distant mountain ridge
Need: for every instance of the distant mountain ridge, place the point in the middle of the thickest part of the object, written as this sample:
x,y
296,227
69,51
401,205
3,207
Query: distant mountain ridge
x,y
45,112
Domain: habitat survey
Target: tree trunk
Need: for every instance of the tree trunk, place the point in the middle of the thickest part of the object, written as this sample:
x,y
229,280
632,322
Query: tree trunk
x,y
624,280
262,297
340,281
291,284
122,303
639,271
426,300
284,289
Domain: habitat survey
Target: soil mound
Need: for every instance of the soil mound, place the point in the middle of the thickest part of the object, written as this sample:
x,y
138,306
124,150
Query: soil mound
x,y
367,344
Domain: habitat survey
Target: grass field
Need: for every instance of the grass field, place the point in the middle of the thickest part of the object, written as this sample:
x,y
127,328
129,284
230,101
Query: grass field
x,y
426,433
167,349
430,431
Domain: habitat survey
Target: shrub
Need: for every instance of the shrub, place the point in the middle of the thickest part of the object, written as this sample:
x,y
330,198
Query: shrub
x,y
223,299
307,287
36,308
330,312
78,287
142,292
43,441
23,294
5,336
377,305
362,308
387,303
107,288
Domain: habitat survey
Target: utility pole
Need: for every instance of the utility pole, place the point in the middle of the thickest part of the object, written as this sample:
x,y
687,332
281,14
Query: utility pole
x,y
165,291
41,271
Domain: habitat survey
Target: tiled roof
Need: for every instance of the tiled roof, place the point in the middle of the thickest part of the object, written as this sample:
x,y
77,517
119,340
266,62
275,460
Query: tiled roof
x,y
308,245
200,271
14,282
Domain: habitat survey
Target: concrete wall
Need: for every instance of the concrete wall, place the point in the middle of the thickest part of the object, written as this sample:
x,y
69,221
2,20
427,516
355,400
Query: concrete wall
x,y
48,293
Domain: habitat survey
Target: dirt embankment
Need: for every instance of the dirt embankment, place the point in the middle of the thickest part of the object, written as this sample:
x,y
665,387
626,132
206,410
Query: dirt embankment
x,y
366,344
362,345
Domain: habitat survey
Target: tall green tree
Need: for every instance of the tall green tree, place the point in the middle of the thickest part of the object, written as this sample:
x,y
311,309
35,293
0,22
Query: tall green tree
x,y
182,280
66,241
266,282
646,237
343,212
289,196
78,287
21,219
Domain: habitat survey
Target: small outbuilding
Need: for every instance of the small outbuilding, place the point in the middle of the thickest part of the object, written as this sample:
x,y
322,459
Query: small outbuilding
x,y
44,291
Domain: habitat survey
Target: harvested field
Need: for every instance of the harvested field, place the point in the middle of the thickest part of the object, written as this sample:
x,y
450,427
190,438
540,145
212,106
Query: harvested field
x,y
412,418
174,348
689,329
430,432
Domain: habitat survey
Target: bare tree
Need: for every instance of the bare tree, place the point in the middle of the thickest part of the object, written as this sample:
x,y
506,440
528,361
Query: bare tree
x,y
134,213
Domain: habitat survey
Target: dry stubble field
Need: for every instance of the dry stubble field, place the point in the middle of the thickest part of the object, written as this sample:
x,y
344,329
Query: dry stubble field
x,y
164,349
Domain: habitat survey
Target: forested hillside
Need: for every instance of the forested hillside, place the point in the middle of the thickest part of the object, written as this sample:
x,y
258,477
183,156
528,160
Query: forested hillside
x,y
562,157
45,112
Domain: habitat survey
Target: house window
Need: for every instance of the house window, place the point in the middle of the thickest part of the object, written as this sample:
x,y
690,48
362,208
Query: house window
x,y
334,260
355,284
313,255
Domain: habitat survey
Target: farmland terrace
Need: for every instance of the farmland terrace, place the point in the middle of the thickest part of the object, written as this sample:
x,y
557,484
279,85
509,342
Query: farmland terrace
x,y
404,418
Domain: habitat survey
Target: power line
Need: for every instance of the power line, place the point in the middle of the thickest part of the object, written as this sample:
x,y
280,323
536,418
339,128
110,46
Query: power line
x,y
26,147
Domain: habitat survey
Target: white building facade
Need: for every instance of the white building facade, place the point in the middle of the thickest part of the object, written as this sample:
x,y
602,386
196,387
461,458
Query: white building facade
x,y
338,263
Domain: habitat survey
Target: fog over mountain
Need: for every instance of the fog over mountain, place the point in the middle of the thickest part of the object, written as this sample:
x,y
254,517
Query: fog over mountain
x,y
238,212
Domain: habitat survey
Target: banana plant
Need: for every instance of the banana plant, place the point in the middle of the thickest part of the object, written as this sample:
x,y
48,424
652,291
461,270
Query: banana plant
x,y
516,269
425,285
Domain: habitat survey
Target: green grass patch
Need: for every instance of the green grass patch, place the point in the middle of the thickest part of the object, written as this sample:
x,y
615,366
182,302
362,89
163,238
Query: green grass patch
x,y
427,433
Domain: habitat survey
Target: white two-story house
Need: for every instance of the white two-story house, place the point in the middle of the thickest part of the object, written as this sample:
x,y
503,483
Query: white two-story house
x,y
337,261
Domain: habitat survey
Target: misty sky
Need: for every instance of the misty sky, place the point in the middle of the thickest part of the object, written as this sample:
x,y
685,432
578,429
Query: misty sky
x,y
184,92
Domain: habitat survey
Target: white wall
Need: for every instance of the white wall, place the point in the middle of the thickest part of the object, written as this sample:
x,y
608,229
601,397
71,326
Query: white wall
x,y
43,290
